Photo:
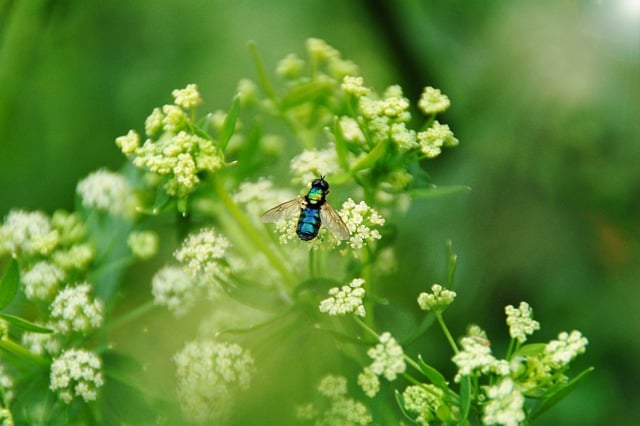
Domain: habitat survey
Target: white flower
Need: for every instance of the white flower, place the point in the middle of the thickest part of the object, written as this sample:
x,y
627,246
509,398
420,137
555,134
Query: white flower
x,y
107,191
369,382
203,253
312,164
504,405
437,300
188,97
6,388
333,386
568,346
173,288
403,137
76,373
433,101
27,233
42,280
345,300
520,321
74,310
388,357
361,220
41,343
341,410
208,375
475,356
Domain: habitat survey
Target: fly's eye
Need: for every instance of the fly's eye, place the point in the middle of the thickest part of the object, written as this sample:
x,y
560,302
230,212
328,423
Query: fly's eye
x,y
321,183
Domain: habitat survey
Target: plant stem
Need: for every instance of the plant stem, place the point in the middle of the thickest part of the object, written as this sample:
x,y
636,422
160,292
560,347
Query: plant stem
x,y
16,349
131,315
446,332
254,235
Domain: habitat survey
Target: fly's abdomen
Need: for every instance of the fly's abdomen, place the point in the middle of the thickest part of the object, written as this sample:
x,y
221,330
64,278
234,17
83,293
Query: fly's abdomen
x,y
308,224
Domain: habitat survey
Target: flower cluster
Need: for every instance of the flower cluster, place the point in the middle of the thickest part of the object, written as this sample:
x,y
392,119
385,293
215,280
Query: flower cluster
x,y
345,300
504,404
362,222
73,310
109,192
173,288
437,300
475,358
310,164
427,402
209,373
174,151
339,409
520,321
49,249
203,254
388,357
76,373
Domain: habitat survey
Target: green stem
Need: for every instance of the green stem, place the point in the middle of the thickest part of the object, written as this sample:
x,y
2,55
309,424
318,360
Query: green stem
x,y
262,72
16,349
366,327
131,315
512,347
255,237
446,332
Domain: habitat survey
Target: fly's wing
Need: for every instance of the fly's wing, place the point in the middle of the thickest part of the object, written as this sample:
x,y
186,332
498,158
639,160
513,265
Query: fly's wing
x,y
283,211
334,223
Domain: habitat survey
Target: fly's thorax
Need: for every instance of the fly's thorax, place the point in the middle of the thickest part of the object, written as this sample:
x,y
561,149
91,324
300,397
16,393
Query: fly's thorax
x,y
316,196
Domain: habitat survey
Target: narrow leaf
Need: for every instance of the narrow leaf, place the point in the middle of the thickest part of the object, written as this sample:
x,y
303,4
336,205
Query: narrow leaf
x,y
9,284
465,399
24,324
370,159
561,393
433,375
400,401
452,263
437,191
229,124
263,77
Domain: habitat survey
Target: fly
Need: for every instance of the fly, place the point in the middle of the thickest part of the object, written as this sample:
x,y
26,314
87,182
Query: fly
x,y
313,210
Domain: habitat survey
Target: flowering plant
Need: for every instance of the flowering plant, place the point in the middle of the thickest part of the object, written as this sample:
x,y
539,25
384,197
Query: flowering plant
x,y
244,296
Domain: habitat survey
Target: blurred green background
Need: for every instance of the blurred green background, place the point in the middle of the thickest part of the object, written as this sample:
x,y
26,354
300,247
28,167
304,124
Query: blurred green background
x,y
546,105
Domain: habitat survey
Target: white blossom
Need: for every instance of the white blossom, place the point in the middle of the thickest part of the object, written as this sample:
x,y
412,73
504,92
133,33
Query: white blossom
x,y
76,372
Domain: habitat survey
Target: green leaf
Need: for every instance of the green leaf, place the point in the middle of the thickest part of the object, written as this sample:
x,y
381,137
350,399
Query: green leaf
x,y
562,392
9,284
340,143
372,157
305,92
452,263
229,124
400,401
530,349
24,324
433,375
263,77
437,191
465,399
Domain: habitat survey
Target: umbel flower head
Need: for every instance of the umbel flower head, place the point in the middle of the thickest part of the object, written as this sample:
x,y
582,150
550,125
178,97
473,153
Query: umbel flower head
x,y
388,357
107,191
27,233
73,310
520,321
209,373
342,410
76,373
174,151
345,300
437,300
